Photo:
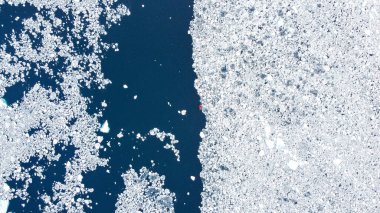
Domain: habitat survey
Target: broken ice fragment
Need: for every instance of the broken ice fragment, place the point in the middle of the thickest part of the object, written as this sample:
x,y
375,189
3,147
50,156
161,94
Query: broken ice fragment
x,y
182,112
4,206
120,135
104,104
105,128
202,135
3,103
4,203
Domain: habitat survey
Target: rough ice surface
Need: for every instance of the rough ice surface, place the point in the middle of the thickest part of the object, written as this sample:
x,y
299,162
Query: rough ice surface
x,y
290,90
144,192
59,45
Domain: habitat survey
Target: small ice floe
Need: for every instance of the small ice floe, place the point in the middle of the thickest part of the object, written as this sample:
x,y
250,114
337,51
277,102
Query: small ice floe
x,y
4,206
3,103
135,97
120,135
202,135
293,165
104,104
4,203
128,12
105,128
182,112
192,178
125,86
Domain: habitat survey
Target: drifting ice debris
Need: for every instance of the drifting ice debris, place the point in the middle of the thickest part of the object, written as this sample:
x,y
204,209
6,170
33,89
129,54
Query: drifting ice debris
x,y
161,135
55,43
3,103
202,135
104,104
105,128
125,86
192,178
4,206
145,192
4,203
120,135
182,112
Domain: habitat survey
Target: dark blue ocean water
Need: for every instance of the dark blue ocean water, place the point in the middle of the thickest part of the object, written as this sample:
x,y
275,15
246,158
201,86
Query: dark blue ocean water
x,y
155,62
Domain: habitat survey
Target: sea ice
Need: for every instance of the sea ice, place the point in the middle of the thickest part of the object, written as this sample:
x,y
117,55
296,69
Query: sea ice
x,y
105,127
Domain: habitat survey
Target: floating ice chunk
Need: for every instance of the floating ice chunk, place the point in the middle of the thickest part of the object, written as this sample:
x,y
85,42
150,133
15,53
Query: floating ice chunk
x,y
104,104
192,178
4,203
182,112
144,192
128,13
125,86
135,97
161,135
3,103
293,165
202,135
4,206
105,128
120,135
261,153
